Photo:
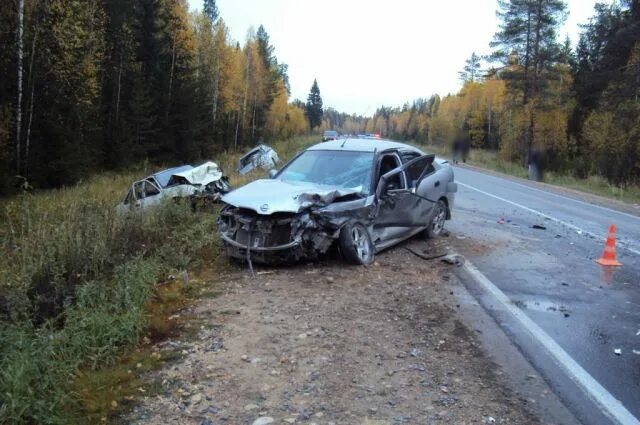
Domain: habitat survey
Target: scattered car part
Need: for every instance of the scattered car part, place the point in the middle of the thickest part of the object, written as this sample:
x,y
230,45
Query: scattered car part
x,y
262,156
453,259
424,257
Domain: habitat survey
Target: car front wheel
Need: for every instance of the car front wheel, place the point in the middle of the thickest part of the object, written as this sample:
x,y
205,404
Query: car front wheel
x,y
438,217
356,245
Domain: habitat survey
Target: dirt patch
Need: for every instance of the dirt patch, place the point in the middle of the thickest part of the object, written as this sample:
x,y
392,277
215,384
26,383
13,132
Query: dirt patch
x,y
328,343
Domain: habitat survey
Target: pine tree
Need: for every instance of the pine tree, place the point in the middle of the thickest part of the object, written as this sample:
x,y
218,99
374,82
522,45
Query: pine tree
x,y
313,108
211,11
471,70
526,43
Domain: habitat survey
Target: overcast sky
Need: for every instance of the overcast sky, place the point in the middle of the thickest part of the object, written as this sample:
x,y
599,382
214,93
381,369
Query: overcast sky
x,y
367,53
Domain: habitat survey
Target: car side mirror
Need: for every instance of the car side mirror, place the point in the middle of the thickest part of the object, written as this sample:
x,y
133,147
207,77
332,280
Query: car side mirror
x,y
273,173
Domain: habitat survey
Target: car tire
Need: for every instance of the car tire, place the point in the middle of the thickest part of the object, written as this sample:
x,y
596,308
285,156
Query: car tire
x,y
436,223
356,245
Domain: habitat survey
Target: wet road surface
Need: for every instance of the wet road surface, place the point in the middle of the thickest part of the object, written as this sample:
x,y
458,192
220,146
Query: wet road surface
x,y
550,275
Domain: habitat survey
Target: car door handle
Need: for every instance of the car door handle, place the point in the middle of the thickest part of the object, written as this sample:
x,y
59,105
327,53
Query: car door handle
x,y
437,184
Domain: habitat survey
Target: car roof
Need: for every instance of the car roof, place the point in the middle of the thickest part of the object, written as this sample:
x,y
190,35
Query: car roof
x,y
362,145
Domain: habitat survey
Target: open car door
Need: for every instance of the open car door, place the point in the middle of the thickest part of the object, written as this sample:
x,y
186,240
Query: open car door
x,y
410,207
399,209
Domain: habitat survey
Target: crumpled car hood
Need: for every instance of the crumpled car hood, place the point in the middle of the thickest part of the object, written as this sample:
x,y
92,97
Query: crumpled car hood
x,y
201,175
270,196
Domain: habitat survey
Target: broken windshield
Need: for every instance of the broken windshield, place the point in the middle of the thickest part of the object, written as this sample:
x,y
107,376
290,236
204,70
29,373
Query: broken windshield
x,y
343,169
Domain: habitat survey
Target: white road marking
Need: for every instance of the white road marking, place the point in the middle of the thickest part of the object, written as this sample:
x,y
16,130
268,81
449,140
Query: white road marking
x,y
607,403
565,197
557,220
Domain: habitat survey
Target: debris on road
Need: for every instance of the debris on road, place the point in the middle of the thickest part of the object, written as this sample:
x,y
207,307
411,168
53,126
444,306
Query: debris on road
x,y
216,345
501,220
263,421
539,227
424,257
453,259
617,351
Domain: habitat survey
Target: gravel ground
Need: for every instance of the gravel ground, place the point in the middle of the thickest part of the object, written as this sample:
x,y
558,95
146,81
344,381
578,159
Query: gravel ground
x,y
329,343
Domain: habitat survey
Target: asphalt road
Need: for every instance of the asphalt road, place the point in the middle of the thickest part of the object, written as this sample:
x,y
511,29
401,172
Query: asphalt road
x,y
550,275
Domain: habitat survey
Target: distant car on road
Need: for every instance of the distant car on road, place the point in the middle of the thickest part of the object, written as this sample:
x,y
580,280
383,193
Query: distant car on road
x,y
330,135
363,195
369,136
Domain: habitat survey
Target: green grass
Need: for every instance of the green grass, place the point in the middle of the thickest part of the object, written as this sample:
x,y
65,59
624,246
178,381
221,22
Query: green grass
x,y
79,287
595,185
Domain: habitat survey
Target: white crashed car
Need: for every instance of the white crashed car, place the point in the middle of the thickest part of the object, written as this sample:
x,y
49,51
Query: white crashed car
x,y
262,156
204,181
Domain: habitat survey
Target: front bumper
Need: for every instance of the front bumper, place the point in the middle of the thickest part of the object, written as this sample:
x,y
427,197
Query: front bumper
x,y
235,244
273,240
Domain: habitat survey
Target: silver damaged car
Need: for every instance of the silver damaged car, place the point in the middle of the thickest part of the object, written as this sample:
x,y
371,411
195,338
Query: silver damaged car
x,y
360,195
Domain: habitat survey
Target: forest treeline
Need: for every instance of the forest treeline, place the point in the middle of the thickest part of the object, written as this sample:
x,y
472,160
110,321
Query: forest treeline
x,y
579,106
94,84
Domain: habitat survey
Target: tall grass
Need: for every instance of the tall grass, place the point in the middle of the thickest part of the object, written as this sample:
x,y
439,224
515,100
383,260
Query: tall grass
x,y
75,282
75,277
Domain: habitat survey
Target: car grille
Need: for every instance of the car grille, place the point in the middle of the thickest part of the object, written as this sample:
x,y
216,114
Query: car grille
x,y
271,231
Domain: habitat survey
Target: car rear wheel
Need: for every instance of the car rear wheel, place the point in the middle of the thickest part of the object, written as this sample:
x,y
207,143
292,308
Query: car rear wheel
x,y
356,245
438,217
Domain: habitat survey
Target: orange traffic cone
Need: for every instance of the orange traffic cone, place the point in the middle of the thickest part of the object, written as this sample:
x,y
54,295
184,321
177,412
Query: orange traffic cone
x,y
609,254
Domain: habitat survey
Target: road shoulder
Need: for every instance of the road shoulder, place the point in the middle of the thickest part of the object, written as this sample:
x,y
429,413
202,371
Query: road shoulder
x,y
332,343
516,371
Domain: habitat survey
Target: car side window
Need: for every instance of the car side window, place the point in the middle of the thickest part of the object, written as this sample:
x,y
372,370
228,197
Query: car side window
x,y
422,166
388,163
150,189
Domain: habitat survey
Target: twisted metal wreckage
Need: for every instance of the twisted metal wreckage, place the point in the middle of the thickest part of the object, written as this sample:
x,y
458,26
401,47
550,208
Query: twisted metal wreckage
x,y
276,221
